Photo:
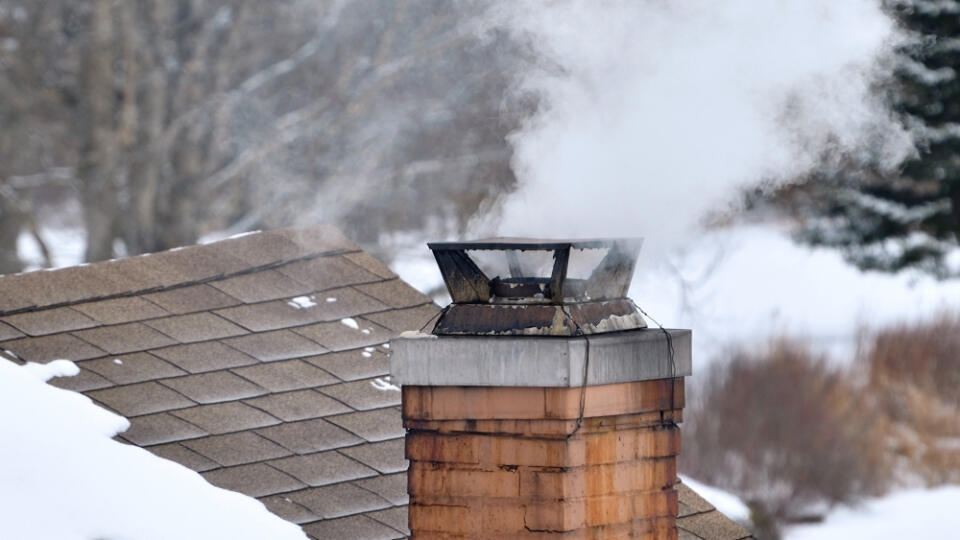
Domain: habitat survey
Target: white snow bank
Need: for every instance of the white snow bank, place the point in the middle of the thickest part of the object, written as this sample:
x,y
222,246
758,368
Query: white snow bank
x,y
62,477
906,514
727,503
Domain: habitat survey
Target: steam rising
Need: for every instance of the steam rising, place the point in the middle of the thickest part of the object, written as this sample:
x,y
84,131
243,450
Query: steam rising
x,y
653,112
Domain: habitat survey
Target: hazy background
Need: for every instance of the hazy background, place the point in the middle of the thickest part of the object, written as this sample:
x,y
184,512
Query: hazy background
x,y
794,166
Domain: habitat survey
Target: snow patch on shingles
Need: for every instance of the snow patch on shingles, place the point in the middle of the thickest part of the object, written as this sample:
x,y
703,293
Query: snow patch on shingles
x,y
57,368
351,322
64,477
727,503
331,299
384,384
916,513
302,302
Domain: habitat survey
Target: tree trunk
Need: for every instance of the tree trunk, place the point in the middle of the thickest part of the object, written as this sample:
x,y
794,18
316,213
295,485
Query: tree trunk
x,y
97,169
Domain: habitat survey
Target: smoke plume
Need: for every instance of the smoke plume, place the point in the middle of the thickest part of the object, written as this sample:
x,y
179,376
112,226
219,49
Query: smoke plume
x,y
653,112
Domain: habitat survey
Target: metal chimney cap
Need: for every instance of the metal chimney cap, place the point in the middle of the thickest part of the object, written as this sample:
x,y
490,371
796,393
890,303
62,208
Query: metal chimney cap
x,y
538,295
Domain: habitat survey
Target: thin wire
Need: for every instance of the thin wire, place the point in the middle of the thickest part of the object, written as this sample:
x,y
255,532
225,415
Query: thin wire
x,y
436,316
586,370
671,355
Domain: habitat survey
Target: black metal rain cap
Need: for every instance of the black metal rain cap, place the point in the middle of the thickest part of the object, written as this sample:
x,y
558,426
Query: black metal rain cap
x,y
538,286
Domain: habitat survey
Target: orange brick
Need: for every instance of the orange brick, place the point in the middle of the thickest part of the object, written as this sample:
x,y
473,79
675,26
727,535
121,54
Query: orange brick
x,y
546,485
630,444
428,479
478,520
424,446
472,402
558,516
629,476
610,510
520,450
615,399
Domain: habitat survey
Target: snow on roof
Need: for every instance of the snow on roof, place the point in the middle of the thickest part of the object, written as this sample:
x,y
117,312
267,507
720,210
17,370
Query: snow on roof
x,y
64,478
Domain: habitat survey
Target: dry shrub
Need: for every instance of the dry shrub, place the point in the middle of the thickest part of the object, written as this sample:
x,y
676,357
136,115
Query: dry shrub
x,y
914,370
785,431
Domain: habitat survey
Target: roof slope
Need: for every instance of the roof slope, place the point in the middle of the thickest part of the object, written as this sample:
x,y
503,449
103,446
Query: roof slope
x,y
699,520
259,362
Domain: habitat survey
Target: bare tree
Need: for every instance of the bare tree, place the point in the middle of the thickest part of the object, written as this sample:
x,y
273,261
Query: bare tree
x,y
186,116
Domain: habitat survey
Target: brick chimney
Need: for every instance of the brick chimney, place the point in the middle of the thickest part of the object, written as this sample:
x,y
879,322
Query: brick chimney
x,y
541,403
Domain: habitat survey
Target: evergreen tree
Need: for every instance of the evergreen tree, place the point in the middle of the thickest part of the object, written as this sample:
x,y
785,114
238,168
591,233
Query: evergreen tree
x,y
910,219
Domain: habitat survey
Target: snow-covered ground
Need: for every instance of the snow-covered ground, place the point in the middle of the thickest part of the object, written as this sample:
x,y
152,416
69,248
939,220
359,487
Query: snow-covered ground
x,y
928,514
62,477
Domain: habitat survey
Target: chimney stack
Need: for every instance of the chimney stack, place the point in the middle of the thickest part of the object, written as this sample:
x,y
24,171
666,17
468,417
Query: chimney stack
x,y
541,403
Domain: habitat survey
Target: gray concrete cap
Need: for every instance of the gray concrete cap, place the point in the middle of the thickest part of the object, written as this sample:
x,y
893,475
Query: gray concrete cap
x,y
636,355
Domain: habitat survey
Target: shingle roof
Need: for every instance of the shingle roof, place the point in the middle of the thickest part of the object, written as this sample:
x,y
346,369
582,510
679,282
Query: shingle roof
x,y
231,359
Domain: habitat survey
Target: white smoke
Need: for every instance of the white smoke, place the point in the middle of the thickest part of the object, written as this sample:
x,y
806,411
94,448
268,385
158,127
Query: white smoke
x,y
655,111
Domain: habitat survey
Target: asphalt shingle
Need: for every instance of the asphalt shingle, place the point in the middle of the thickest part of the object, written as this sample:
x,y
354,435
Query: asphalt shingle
x,y
196,327
214,387
341,335
202,357
9,332
188,458
325,273
370,264
386,457
365,394
286,375
375,425
323,468
394,293
262,286
82,382
309,436
50,321
284,507
402,320
53,347
228,417
132,368
158,429
142,398
392,517
299,405
339,500
302,310
236,448
354,364
192,299
392,487
277,345
124,338
351,528
256,480
121,310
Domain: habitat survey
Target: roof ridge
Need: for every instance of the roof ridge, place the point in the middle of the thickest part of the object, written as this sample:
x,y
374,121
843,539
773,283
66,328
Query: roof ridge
x,y
167,270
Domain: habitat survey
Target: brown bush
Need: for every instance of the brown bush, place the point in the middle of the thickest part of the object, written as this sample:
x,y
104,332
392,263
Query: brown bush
x,y
914,370
785,431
